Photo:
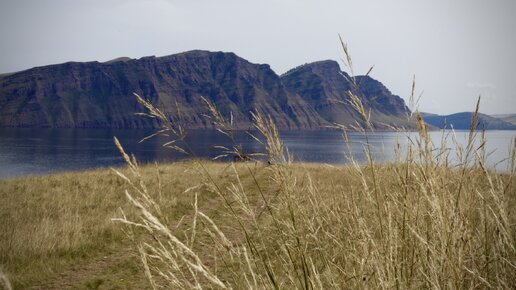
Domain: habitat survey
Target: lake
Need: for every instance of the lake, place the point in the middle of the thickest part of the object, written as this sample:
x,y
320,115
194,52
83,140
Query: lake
x,y
43,151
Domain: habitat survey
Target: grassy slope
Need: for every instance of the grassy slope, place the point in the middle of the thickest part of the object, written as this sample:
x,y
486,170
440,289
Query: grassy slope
x,y
56,232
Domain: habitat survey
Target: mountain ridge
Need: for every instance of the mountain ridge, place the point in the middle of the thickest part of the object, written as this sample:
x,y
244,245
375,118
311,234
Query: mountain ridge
x,y
99,94
511,118
462,121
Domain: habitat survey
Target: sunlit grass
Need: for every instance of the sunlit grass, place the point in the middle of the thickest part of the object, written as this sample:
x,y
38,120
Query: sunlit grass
x,y
58,225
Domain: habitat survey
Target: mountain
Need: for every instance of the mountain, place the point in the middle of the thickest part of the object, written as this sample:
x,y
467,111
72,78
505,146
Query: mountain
x,y
5,74
323,85
123,58
462,121
94,94
511,118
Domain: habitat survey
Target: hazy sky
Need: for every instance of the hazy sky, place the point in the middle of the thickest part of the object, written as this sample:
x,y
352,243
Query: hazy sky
x,y
457,49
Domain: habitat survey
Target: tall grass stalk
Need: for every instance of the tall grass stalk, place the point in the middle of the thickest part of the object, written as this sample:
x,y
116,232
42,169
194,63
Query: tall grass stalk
x,y
5,281
416,223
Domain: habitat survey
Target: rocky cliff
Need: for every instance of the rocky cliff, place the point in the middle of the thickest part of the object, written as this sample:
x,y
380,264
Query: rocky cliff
x,y
94,94
324,86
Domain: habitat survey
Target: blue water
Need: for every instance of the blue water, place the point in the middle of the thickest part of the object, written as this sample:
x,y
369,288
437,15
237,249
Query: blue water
x,y
42,151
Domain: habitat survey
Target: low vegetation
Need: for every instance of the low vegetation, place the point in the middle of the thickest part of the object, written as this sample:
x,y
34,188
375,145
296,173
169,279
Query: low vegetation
x,y
56,231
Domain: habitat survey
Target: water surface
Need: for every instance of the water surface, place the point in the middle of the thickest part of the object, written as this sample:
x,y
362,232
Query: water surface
x,y
42,151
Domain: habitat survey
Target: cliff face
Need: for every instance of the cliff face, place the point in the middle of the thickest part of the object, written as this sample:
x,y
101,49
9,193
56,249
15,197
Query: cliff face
x,y
325,87
97,94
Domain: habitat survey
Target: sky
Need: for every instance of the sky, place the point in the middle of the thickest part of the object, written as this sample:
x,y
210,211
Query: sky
x,y
457,49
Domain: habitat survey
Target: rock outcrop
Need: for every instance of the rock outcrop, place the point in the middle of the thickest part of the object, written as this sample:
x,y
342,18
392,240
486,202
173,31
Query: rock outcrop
x,y
93,94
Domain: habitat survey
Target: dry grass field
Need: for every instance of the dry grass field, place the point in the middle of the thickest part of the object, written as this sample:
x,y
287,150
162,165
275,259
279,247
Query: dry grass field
x,y
56,231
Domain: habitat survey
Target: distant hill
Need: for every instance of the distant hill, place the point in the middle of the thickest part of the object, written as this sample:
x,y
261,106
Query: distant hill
x,y
5,74
123,58
511,118
94,94
462,121
426,114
